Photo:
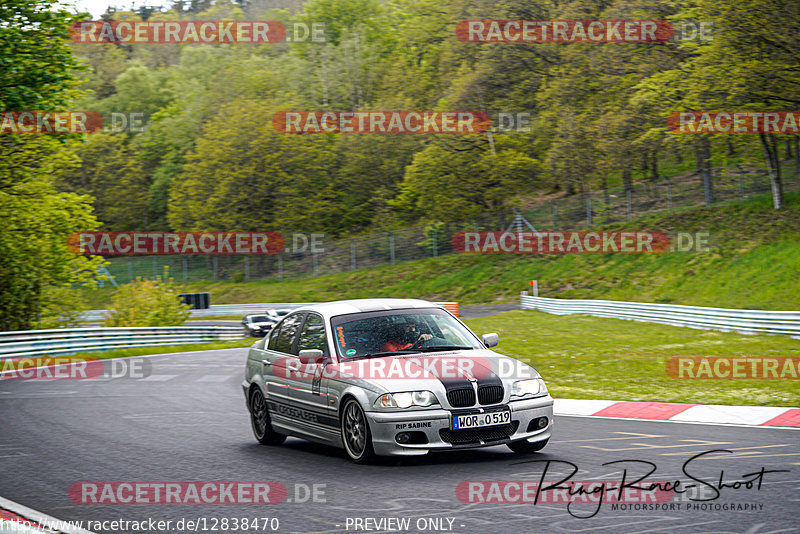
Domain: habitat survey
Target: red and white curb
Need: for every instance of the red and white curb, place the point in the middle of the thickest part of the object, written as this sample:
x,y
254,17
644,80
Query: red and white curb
x,y
20,519
684,413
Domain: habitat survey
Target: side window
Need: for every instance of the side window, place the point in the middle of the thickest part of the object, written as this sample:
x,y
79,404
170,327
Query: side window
x,y
285,338
313,335
273,337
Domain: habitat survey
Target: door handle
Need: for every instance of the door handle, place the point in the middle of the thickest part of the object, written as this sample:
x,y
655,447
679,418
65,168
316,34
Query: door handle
x,y
266,362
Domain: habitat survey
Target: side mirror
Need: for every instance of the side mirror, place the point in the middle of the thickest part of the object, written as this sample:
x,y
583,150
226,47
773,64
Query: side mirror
x,y
310,355
490,340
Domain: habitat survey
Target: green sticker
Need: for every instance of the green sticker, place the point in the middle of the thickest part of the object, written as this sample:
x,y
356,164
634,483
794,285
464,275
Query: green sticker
x,y
350,352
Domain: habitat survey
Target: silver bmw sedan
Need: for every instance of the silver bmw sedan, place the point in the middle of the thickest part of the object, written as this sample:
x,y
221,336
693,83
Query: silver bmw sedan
x,y
391,377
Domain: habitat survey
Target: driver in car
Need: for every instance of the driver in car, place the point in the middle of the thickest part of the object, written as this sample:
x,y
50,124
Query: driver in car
x,y
404,336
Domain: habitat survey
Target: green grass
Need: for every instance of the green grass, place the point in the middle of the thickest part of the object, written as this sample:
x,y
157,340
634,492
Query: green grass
x,y
754,263
164,349
583,357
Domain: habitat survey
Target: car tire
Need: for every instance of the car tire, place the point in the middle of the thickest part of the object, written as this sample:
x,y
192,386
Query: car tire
x,y
260,420
356,437
526,447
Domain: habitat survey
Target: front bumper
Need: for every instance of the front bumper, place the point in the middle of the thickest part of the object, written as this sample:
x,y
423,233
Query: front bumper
x,y
385,426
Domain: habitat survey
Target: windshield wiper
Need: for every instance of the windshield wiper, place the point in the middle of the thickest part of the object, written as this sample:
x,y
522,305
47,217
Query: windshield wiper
x,y
437,348
387,353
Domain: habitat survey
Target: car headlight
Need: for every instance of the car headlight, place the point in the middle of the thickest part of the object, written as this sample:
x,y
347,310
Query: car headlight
x,y
532,386
406,399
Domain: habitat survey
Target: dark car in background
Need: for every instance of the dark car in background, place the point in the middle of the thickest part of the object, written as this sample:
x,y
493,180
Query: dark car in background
x,y
258,325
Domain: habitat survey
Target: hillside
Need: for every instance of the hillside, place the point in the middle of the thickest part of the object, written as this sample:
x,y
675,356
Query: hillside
x,y
753,263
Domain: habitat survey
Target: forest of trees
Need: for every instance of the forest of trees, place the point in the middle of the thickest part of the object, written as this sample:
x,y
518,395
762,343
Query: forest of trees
x,y
208,158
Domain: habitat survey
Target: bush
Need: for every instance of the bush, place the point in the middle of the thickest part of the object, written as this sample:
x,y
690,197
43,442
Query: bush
x,y
148,303
61,307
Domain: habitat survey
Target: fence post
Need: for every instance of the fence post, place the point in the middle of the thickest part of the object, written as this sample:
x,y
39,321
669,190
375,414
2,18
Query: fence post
x,y
130,270
669,194
352,255
434,244
630,206
280,266
155,268
215,266
247,268
391,247
316,264
185,270
741,182
588,210
555,214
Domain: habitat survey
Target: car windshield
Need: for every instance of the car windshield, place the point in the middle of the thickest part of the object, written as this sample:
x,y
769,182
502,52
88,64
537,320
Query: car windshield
x,y
383,333
259,318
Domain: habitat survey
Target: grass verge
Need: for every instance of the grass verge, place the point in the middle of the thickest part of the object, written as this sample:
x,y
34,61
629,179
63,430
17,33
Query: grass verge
x,y
584,357
165,349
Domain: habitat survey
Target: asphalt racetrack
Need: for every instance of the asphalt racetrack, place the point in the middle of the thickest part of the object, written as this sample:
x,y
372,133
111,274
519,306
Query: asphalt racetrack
x,y
187,422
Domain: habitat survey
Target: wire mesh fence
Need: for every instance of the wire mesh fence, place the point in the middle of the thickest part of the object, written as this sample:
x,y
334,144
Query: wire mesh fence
x,y
418,242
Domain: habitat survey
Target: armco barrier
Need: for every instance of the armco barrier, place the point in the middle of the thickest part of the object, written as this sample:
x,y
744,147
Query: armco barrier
x,y
222,310
69,341
745,321
212,311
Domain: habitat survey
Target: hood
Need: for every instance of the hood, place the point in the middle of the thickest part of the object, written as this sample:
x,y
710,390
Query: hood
x,y
438,372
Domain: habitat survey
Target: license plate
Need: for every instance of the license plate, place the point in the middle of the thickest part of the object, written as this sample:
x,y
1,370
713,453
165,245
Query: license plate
x,y
481,420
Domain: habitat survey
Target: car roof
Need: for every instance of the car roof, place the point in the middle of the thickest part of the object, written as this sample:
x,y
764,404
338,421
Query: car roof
x,y
344,307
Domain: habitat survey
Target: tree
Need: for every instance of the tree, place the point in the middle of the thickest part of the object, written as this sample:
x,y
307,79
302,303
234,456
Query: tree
x,y
243,175
37,72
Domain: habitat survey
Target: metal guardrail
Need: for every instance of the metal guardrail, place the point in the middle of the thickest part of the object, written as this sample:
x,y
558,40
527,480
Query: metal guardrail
x,y
241,309
745,321
70,341
211,311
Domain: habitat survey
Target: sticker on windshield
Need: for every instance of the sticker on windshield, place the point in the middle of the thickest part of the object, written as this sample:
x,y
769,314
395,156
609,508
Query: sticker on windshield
x,y
340,330
351,352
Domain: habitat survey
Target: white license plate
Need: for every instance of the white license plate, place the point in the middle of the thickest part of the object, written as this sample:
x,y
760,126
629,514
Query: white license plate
x,y
481,420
